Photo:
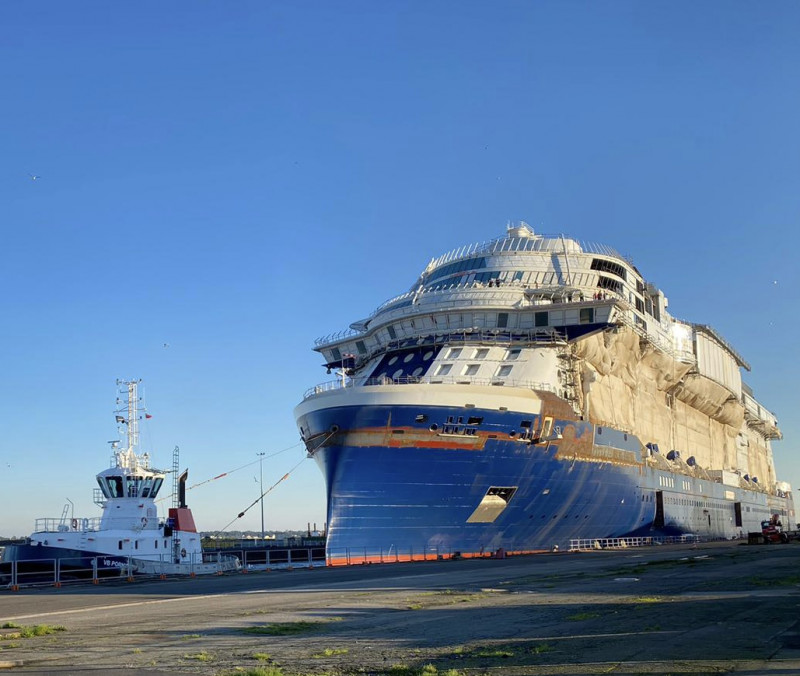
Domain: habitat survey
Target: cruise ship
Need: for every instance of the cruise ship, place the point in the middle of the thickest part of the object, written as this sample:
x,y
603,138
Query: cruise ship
x,y
528,393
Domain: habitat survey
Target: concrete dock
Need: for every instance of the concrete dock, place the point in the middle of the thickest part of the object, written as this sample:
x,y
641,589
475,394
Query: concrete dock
x,y
685,609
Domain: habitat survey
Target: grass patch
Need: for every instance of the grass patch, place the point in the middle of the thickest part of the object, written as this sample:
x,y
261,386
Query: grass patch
x,y
648,599
189,637
202,656
427,670
541,648
282,628
31,631
262,657
258,671
438,598
10,625
330,652
492,652
578,617
788,581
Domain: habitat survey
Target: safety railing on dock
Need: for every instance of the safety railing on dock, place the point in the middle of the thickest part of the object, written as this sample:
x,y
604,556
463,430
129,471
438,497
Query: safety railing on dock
x,y
588,544
67,570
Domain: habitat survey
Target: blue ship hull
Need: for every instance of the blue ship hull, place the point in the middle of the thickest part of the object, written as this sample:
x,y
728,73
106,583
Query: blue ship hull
x,y
394,484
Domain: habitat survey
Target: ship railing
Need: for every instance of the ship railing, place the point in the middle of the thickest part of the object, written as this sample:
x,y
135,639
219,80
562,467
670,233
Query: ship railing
x,y
67,525
539,243
475,293
589,544
333,385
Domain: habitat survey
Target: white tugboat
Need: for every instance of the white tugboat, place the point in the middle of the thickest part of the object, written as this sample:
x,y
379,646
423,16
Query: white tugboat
x,y
129,537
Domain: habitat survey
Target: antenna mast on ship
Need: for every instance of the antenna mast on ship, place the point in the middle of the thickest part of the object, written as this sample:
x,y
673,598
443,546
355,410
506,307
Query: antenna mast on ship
x,y
130,419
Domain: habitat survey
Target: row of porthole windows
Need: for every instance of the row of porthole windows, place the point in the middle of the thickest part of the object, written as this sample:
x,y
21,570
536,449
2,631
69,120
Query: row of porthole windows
x,y
136,544
409,357
399,373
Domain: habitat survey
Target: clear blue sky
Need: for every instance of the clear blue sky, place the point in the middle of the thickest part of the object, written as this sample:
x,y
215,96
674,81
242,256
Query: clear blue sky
x,y
238,179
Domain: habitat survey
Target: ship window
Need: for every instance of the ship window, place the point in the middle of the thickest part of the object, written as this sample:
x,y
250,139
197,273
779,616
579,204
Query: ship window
x,y
156,485
119,545
610,284
421,418
337,356
511,355
427,355
587,315
408,357
362,349
610,267
392,332
540,319
504,370
136,544
443,369
481,353
471,369
547,427
525,423
156,544
474,420
103,487
455,353
115,486
502,320
392,361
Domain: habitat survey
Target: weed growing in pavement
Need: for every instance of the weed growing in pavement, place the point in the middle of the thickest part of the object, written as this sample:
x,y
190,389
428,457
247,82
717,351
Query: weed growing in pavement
x,y
257,671
330,652
788,581
541,648
578,617
202,656
492,652
30,632
282,629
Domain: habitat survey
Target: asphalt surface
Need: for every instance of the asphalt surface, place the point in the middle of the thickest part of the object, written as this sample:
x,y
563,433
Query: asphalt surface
x,y
705,609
